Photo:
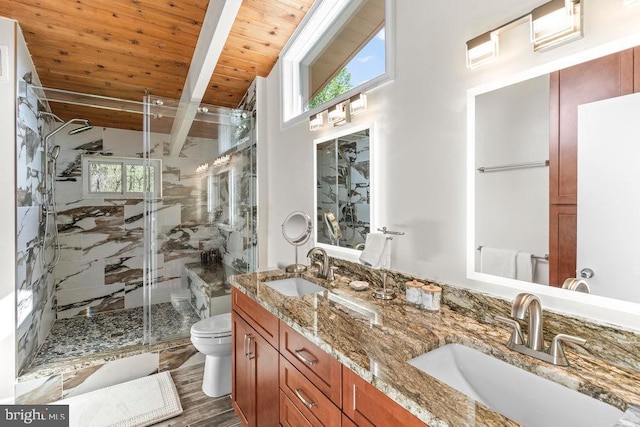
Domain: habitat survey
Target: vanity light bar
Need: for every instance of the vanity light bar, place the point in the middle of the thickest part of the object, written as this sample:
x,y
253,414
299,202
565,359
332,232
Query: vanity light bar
x,y
482,49
357,104
556,23
316,121
337,115
552,24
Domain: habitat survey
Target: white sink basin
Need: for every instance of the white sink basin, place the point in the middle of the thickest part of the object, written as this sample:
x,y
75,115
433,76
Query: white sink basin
x,y
519,395
294,286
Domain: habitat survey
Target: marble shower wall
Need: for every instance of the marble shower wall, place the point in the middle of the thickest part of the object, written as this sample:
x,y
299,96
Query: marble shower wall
x,y
34,285
102,239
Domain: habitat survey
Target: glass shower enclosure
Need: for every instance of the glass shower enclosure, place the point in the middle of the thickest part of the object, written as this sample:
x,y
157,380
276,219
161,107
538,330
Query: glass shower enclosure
x,y
199,212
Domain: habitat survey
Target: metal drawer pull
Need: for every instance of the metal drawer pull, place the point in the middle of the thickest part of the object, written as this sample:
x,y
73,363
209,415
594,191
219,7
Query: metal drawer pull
x,y
251,344
304,401
299,355
245,344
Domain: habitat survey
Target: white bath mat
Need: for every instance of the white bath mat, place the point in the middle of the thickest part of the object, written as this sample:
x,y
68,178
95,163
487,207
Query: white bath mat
x,y
140,402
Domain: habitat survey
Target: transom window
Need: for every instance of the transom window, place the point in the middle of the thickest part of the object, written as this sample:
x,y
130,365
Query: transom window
x,y
342,48
119,176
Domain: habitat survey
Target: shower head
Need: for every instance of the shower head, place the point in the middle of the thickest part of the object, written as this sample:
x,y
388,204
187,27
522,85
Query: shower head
x,y
81,129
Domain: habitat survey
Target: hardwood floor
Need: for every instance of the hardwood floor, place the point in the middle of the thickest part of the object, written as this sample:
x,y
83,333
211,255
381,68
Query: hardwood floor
x,y
200,410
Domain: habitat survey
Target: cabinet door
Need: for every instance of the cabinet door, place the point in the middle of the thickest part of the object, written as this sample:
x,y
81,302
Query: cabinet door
x,y
265,359
265,323
562,243
254,376
369,407
242,383
595,80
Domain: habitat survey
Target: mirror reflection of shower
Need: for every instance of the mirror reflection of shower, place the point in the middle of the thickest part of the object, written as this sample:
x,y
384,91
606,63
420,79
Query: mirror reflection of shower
x,y
51,240
343,189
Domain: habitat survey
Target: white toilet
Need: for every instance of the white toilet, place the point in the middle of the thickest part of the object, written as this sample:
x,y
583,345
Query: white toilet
x,y
212,337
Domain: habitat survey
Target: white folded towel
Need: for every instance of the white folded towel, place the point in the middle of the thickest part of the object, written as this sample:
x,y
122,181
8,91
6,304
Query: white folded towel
x,y
376,252
498,262
525,265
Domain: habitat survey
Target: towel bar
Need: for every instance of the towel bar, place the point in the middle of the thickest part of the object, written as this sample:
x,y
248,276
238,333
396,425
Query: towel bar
x,y
544,258
539,164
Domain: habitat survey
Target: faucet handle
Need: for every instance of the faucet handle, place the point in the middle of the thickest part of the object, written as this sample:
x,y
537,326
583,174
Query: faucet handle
x,y
516,334
556,350
331,276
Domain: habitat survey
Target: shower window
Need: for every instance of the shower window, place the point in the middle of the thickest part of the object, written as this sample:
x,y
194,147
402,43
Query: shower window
x,y
121,176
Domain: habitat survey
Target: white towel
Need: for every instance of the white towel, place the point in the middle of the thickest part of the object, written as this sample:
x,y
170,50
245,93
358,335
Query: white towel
x,y
525,264
376,252
498,262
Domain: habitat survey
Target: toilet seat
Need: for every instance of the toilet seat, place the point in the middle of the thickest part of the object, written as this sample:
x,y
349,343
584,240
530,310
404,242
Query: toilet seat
x,y
218,326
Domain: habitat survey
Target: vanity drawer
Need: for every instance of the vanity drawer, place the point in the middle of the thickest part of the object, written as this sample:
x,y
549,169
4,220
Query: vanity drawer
x,y
369,407
265,323
317,365
290,416
311,402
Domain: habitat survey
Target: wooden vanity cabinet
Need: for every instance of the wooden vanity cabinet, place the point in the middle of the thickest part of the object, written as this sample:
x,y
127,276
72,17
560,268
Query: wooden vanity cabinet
x,y
367,406
279,377
254,372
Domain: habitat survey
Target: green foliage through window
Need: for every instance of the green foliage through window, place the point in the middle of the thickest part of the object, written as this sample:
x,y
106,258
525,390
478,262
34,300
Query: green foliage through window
x,y
127,177
340,84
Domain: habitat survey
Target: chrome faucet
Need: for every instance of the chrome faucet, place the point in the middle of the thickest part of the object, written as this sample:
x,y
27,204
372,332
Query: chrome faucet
x,y
324,270
520,305
534,345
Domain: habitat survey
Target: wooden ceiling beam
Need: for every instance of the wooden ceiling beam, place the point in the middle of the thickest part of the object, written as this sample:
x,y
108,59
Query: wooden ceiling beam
x,y
215,30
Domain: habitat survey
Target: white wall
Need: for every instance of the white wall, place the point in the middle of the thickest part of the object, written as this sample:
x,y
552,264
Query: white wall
x,y
7,216
512,206
421,122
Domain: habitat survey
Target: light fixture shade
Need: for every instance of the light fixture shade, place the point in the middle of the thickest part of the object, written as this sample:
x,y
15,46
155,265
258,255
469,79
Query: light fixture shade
x,y
357,104
631,2
482,49
315,122
338,114
555,23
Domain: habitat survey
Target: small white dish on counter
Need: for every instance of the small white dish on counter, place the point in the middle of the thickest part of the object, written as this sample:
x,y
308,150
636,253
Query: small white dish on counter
x,y
359,285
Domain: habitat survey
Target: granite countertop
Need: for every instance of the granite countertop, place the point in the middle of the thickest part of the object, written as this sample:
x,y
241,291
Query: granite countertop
x,y
375,339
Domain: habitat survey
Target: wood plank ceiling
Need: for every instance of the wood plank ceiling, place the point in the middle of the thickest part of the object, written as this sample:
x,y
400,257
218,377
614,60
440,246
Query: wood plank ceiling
x,y
122,48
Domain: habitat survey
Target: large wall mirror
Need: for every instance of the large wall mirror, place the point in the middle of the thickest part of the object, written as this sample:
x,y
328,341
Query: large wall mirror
x,y
343,190
553,180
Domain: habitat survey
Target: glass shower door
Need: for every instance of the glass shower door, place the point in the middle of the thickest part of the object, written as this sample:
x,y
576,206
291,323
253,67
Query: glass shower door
x,y
200,221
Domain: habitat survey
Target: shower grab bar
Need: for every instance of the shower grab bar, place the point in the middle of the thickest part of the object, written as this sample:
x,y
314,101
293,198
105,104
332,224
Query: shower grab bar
x,y
542,258
513,166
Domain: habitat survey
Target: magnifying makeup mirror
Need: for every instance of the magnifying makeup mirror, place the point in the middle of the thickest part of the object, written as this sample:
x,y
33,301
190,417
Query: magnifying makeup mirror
x,y
296,230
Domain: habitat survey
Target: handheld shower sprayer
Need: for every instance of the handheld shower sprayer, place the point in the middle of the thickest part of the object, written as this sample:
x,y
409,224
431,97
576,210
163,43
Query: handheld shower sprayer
x,y
49,193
